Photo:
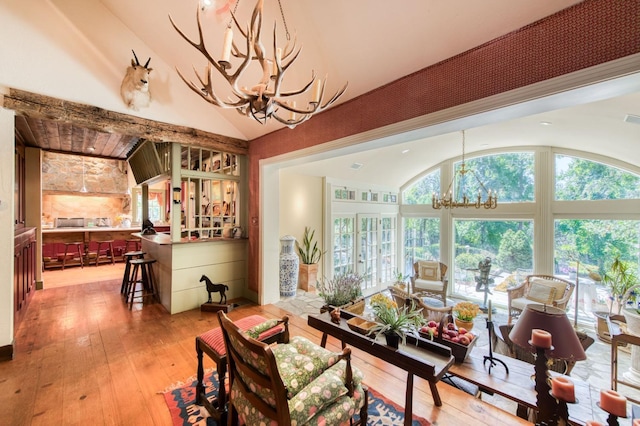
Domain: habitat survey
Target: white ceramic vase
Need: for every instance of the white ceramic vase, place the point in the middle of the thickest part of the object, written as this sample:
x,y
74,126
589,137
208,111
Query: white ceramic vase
x,y
289,264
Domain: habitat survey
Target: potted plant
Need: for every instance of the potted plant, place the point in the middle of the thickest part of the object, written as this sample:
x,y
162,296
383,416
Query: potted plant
x,y
400,280
344,291
465,312
395,323
621,281
310,255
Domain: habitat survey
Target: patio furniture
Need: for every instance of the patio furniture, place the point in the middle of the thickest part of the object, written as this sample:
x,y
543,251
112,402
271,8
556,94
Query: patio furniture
x,y
541,289
430,279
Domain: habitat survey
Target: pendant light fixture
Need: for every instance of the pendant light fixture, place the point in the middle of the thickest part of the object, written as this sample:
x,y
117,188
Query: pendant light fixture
x,y
458,197
84,188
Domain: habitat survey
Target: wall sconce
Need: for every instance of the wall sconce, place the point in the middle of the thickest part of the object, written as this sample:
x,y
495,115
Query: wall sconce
x,y
177,199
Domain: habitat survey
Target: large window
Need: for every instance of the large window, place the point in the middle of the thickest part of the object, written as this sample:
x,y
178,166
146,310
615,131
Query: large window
x,y
421,241
587,248
422,191
580,179
511,174
508,243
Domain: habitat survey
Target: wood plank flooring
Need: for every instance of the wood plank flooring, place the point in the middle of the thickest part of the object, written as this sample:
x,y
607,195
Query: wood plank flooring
x,y
82,357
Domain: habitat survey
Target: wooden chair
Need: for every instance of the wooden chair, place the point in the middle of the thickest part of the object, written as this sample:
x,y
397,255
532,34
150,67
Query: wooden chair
x,y
212,344
430,279
537,288
429,312
263,393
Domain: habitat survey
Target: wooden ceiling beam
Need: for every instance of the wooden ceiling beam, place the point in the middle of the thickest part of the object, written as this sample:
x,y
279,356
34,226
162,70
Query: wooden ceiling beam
x,y
44,107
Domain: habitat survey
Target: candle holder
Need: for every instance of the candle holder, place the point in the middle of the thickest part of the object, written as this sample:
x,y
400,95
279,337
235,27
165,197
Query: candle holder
x,y
563,410
490,358
546,403
612,419
555,322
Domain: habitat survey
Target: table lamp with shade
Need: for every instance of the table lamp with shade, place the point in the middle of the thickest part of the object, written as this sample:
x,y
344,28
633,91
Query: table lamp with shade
x,y
547,332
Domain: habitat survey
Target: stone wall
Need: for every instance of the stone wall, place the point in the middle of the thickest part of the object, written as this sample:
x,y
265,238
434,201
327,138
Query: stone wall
x,y
63,172
105,180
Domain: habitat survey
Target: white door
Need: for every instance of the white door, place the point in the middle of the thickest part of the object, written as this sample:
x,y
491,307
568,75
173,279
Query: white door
x,y
367,239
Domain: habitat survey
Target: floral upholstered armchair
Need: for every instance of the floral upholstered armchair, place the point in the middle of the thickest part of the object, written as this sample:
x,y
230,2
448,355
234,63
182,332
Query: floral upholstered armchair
x,y
293,383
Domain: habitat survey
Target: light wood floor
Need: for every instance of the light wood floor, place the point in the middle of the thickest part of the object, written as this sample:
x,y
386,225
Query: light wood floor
x,y
82,357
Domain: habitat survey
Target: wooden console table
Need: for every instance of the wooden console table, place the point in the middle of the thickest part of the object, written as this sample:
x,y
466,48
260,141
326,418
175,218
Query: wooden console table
x,y
518,384
418,357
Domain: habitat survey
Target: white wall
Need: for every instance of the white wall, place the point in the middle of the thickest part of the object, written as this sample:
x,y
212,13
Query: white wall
x,y
301,206
7,177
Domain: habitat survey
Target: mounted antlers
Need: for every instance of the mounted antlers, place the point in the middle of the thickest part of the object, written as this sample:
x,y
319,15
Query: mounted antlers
x,y
135,85
263,100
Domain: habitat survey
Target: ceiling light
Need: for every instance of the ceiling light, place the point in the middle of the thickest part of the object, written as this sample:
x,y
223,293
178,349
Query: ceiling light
x,y
546,123
205,4
84,188
629,118
461,199
265,98
404,151
356,166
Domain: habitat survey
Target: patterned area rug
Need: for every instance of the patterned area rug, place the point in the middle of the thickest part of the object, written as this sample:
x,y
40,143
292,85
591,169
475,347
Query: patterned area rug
x,y
184,411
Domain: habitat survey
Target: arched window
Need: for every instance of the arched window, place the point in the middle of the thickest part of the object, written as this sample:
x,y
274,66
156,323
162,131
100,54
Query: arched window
x,y
581,179
422,191
590,204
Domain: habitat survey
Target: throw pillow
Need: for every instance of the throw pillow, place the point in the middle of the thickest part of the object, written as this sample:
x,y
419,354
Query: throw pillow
x,y
541,293
430,271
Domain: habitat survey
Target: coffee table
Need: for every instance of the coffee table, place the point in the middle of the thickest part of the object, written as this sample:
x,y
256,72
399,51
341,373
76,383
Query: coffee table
x,y
418,357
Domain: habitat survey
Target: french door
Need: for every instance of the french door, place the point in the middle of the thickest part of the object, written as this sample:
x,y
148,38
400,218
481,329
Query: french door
x,y
366,244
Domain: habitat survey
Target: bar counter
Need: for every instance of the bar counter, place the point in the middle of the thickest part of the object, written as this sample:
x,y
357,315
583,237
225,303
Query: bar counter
x,y
180,266
86,234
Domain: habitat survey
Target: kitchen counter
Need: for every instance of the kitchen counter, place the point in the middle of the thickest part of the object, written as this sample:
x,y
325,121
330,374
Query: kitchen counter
x,y
90,229
180,266
87,234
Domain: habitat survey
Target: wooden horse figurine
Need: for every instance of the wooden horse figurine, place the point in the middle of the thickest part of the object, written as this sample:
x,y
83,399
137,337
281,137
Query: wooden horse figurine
x,y
215,288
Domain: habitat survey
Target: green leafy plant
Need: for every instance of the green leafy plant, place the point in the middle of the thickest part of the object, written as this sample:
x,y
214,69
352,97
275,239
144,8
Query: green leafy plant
x,y
308,250
400,278
399,321
621,281
341,289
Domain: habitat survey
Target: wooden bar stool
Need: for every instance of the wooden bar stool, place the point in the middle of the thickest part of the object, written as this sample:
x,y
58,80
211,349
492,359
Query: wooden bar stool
x,y
212,344
71,254
128,257
143,268
105,251
133,245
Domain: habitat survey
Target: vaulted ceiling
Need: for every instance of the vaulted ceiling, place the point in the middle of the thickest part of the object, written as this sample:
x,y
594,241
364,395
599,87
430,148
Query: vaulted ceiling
x,y
367,43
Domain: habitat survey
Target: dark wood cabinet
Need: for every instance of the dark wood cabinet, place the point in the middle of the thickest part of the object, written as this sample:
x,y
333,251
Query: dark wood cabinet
x,y
24,274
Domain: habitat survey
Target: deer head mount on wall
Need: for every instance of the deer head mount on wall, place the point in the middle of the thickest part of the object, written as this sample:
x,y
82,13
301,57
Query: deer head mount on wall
x,y
135,85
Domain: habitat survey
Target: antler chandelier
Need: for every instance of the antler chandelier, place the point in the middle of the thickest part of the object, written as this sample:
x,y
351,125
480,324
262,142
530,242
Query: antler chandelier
x,y
461,199
265,98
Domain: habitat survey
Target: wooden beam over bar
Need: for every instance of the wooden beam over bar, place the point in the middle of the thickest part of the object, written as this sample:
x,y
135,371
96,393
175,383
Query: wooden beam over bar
x,y
95,118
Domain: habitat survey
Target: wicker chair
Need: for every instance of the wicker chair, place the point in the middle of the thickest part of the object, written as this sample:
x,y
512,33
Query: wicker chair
x,y
429,312
430,279
537,288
